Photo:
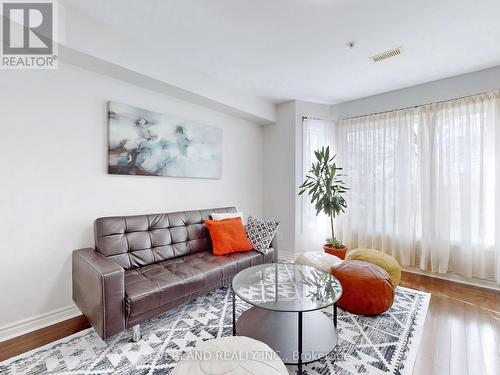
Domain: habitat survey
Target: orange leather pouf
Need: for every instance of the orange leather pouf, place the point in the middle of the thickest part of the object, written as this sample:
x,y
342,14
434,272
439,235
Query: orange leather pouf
x,y
366,288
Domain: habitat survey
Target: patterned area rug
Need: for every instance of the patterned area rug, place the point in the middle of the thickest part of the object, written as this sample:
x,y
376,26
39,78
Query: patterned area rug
x,y
384,344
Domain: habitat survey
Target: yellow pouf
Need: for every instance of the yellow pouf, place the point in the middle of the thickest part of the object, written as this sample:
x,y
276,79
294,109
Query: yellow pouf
x,y
388,263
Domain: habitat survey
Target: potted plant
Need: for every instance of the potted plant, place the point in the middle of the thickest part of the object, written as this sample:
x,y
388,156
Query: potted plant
x,y
325,187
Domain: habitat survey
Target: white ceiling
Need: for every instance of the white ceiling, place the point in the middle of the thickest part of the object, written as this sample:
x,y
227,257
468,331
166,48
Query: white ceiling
x,y
296,49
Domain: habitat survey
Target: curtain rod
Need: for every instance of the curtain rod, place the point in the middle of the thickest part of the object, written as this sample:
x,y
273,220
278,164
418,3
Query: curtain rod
x,y
313,118
419,105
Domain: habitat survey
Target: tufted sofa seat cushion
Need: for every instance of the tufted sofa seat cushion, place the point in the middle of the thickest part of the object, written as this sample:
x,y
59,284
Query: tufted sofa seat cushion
x,y
172,281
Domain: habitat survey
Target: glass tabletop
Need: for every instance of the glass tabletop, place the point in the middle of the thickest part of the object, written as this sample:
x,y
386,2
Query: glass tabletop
x,y
287,287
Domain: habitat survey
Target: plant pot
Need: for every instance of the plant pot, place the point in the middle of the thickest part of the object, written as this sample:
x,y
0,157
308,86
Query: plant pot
x,y
339,253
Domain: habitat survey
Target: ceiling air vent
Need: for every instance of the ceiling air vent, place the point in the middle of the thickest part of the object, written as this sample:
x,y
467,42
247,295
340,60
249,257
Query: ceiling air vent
x,y
386,55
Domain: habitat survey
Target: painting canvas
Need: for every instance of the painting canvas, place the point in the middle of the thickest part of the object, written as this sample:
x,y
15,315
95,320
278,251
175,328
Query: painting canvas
x,y
143,142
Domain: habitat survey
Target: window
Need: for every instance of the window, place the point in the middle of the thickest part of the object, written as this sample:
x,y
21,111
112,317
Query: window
x,y
423,184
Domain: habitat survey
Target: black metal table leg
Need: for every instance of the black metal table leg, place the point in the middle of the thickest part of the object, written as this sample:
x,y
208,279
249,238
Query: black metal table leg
x,y
276,282
299,364
234,311
335,314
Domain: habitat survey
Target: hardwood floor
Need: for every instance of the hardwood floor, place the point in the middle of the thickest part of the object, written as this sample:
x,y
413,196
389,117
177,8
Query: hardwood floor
x,y
461,333
35,339
462,329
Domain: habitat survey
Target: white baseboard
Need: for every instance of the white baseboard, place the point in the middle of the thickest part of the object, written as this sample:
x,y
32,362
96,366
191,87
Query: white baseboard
x,y
455,278
21,327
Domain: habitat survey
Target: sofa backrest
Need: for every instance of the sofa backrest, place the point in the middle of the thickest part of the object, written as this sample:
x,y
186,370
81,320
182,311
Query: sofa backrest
x,y
135,241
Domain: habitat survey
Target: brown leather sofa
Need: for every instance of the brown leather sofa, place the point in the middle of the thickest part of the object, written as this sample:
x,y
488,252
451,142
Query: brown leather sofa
x,y
144,265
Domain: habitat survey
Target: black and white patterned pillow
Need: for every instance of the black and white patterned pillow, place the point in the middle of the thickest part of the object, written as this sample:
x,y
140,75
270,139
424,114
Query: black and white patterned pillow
x,y
261,233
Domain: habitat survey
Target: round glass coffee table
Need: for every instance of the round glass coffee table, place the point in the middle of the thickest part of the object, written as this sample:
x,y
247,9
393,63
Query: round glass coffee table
x,y
286,300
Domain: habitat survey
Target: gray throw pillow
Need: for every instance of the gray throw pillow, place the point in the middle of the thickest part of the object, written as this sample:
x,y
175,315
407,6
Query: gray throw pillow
x,y
261,232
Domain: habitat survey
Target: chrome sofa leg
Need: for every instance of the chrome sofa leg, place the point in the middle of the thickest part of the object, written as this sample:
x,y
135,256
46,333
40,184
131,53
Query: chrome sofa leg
x,y
136,333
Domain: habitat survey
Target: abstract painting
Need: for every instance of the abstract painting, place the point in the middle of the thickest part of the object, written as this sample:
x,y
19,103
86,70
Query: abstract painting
x,y
143,142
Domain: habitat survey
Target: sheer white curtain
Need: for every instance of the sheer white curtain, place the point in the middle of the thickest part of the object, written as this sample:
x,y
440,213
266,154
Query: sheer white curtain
x,y
425,185
457,157
378,154
314,229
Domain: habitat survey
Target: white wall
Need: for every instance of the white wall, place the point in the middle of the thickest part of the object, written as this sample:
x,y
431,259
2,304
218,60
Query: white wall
x,y
444,89
54,181
103,42
279,176
283,171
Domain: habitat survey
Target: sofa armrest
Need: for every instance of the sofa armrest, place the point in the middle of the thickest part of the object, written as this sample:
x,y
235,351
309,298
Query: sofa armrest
x,y
274,245
99,291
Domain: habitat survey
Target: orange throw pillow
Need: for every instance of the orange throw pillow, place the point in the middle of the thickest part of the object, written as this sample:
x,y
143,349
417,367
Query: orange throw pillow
x,y
228,236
